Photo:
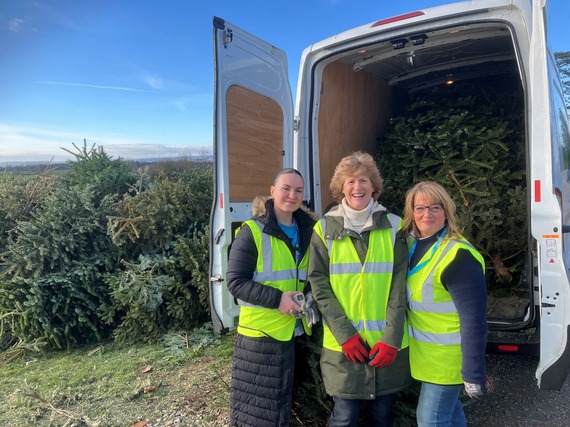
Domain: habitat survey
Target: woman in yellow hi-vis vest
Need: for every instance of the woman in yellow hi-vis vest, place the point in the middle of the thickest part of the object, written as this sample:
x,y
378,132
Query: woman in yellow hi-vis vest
x,y
447,304
267,272
357,272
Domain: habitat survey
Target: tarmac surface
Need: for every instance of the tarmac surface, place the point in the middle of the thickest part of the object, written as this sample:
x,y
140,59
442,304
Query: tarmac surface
x,y
515,399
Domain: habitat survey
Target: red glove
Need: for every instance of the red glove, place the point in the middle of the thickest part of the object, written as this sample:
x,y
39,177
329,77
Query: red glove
x,y
382,354
355,349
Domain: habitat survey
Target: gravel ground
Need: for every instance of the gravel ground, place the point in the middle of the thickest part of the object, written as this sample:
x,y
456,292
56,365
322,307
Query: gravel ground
x,y
516,400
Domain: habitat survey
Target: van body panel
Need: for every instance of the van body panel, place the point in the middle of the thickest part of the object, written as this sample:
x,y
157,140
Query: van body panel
x,y
349,88
253,140
546,210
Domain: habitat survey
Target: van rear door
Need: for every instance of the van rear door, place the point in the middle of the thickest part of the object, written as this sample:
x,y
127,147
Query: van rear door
x,y
547,209
253,140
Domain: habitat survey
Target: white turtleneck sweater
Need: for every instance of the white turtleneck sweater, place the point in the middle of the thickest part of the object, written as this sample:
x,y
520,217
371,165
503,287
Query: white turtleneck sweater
x,y
356,220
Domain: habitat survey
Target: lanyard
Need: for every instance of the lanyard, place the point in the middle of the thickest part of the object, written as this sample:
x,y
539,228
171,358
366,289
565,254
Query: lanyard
x,y
420,265
292,232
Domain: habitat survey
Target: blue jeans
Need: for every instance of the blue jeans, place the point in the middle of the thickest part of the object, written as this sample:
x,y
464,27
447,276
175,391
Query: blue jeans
x,y
378,411
440,406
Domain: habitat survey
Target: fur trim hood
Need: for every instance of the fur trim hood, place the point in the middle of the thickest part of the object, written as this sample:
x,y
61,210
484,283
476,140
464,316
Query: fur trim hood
x,y
259,208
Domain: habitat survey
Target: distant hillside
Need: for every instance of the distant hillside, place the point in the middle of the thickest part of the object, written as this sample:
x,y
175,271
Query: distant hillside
x,y
38,167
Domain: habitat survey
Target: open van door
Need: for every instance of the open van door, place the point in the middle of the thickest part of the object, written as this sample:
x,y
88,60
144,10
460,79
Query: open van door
x,y
253,140
547,209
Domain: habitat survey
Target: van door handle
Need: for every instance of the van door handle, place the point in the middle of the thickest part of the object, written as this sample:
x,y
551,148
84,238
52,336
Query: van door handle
x,y
218,235
566,228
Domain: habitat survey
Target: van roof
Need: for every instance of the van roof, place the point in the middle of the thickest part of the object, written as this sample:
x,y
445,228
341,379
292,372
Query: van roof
x,y
457,41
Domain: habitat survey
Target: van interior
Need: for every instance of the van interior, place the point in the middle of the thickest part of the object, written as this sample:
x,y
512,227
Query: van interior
x,y
357,94
363,89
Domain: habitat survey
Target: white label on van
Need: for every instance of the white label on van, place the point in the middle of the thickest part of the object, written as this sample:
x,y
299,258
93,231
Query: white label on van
x,y
550,242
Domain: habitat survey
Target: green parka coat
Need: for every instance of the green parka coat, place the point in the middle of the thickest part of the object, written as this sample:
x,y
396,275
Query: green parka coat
x,y
342,377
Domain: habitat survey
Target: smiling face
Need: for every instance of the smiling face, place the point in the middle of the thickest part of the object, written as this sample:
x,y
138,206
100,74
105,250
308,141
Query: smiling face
x,y
287,193
357,191
428,222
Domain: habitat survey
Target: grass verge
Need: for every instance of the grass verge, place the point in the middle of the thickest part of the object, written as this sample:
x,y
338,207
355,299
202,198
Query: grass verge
x,y
182,381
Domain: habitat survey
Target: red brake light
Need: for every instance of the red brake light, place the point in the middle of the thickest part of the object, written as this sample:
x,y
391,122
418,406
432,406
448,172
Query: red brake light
x,y
398,18
509,348
537,194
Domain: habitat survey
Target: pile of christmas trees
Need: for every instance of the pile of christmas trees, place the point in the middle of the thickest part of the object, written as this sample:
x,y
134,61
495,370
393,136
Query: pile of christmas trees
x,y
473,144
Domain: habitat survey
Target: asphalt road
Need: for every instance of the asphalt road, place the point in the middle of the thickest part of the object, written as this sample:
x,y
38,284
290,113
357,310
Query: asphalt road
x,y
515,400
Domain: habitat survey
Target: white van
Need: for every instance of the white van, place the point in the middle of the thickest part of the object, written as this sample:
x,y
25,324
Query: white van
x,y
347,88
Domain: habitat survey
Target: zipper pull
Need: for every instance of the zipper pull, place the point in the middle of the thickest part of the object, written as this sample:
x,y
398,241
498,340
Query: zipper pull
x,y
297,255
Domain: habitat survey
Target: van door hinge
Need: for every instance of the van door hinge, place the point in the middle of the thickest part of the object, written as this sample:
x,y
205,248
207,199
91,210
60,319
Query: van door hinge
x,y
296,124
228,36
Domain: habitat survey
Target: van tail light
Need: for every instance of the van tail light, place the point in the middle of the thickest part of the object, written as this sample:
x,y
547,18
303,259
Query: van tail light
x,y
537,193
508,348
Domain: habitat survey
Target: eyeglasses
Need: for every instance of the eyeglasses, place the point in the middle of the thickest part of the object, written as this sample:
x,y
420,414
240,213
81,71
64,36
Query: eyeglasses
x,y
420,209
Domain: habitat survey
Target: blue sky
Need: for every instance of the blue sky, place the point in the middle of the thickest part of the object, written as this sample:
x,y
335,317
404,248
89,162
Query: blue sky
x,y
136,76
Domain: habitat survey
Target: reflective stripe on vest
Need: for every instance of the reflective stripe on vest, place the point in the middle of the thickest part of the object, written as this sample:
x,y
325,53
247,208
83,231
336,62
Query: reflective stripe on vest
x,y
370,325
275,267
435,340
361,289
269,273
357,268
428,305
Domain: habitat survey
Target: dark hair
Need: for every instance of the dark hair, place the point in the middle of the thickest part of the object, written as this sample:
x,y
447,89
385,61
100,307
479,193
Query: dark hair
x,y
287,171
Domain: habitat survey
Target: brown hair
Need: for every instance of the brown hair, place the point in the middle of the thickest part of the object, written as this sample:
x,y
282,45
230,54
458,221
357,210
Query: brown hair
x,y
357,163
287,171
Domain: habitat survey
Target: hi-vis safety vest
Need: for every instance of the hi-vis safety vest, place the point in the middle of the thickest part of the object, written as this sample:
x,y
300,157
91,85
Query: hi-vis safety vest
x,y
276,267
435,341
361,289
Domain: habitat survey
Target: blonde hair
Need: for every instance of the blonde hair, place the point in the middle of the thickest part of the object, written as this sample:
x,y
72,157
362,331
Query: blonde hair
x,y
357,163
435,193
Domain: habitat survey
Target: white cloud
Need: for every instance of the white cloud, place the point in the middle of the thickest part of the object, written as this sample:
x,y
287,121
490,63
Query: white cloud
x,y
181,103
15,25
157,82
199,99
29,144
33,144
141,151
93,86
153,81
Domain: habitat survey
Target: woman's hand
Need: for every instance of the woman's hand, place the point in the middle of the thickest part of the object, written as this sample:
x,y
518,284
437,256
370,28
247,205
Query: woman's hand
x,y
288,303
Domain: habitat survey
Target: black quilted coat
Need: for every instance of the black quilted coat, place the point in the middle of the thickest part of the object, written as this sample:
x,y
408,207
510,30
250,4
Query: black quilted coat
x,y
262,373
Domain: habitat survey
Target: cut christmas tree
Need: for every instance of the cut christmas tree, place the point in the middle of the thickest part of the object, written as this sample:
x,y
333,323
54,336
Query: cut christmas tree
x,y
471,142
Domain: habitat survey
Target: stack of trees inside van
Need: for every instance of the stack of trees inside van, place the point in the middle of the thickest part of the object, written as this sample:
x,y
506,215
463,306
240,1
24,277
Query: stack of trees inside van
x,y
449,106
